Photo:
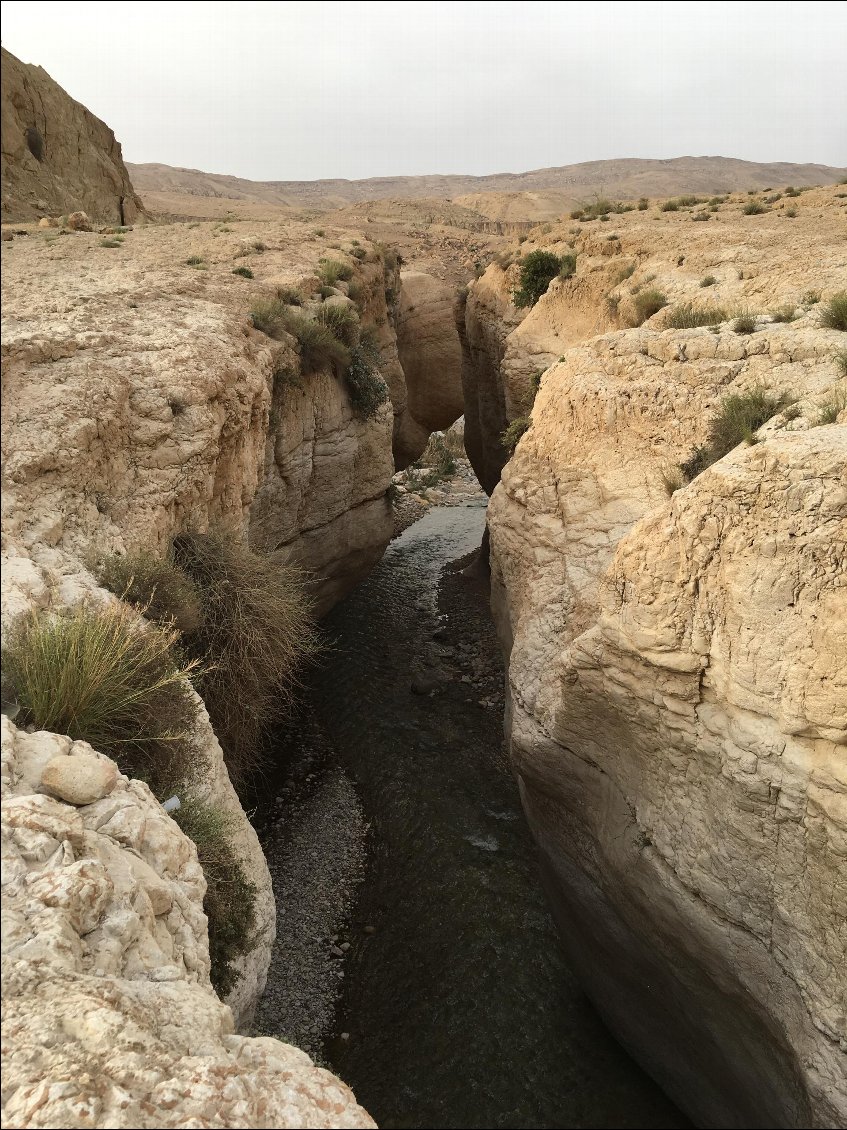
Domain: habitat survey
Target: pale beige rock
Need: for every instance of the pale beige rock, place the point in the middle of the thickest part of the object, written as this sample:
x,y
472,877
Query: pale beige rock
x,y
81,777
78,221
109,1017
57,156
677,680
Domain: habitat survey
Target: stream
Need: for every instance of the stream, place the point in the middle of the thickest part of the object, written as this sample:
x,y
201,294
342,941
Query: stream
x,y
457,1008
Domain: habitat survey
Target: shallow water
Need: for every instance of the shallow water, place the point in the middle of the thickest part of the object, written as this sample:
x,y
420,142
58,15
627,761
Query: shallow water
x,y
458,1007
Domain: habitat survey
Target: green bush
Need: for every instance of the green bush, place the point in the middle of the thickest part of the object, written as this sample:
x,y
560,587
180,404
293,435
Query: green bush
x,y
687,316
754,208
319,347
708,280
194,261
268,315
738,419
290,295
245,272
102,676
744,324
538,270
647,303
643,204
368,391
790,213
153,585
701,217
568,266
342,321
230,900
841,361
330,271
669,206
834,313
510,437
810,298
256,631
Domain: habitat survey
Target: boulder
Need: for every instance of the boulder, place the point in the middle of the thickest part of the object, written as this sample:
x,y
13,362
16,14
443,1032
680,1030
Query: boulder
x,y
81,777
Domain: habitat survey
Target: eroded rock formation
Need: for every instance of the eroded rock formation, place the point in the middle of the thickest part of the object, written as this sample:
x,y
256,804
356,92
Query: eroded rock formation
x,y
57,156
677,688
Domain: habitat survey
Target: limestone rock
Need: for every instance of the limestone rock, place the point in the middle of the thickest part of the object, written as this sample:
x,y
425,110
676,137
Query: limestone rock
x,y
79,221
81,777
57,156
109,1017
676,679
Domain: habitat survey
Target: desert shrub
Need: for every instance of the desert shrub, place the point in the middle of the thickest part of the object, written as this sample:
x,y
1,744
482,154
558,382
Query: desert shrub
x,y
438,455
110,242
319,346
230,900
342,321
791,191
153,585
687,316
737,420
833,406
193,261
810,298
538,270
327,291
355,290
841,361
568,266
786,313
647,303
368,391
744,324
267,315
643,204
319,231
754,208
834,313
512,434
708,280
673,479
330,271
701,217
773,199
244,272
625,273
258,245
358,252
255,632
613,302
290,295
102,676
669,206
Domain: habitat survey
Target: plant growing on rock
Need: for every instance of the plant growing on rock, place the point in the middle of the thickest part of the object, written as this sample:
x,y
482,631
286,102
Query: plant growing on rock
x,y
744,324
152,585
330,271
834,313
102,676
342,322
647,303
833,406
368,391
512,434
786,313
538,270
319,347
687,316
244,272
708,280
754,208
738,419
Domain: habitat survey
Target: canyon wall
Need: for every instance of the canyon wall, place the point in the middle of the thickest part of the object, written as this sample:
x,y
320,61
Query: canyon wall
x,y
57,156
676,673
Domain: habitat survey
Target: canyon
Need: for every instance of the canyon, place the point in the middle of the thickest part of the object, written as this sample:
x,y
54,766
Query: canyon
x,y
675,643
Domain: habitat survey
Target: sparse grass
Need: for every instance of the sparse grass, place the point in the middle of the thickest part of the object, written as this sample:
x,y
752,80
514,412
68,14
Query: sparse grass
x,y
230,900
669,206
319,347
330,271
744,324
688,316
643,204
152,585
790,213
754,208
701,217
833,406
355,291
327,291
110,243
708,280
319,232
792,191
342,321
841,361
244,272
647,303
810,298
439,456
737,421
625,273
613,302
258,245
672,479
511,436
193,261
834,312
786,313
267,315
568,265
368,391
538,270
101,675
256,631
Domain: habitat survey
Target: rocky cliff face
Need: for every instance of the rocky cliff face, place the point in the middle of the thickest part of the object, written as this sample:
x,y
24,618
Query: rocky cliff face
x,y
57,156
677,663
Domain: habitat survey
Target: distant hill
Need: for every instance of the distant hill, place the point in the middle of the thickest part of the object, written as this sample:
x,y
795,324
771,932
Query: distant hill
x,y
623,178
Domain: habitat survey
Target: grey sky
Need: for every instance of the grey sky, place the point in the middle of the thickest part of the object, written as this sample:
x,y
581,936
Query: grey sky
x,y
281,91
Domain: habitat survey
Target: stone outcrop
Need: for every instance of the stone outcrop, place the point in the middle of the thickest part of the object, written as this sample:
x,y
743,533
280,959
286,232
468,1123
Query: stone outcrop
x,y
109,1017
57,156
677,666
431,358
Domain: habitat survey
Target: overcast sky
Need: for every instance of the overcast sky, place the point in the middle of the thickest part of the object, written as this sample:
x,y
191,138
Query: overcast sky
x,y
282,91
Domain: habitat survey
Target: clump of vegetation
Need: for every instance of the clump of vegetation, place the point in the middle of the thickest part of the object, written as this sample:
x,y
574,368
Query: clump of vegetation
x,y
646,304
792,191
244,272
687,316
290,295
152,585
255,632
319,346
790,213
512,434
110,242
669,206
319,231
368,391
786,313
330,271
342,321
834,313
701,217
538,270
268,315
738,419
230,900
841,361
194,261
754,208
358,252
673,479
708,280
355,291
102,676
810,298
567,265
833,406
744,324
625,273
643,204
